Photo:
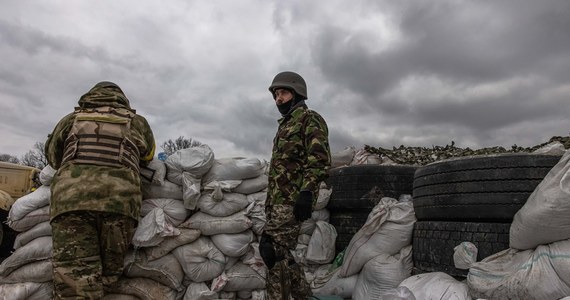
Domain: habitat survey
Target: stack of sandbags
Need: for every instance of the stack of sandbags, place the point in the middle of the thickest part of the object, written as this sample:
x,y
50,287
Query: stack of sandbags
x,y
27,272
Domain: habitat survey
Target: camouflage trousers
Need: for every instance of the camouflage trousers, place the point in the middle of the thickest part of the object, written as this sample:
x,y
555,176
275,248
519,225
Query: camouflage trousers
x,y
286,279
88,252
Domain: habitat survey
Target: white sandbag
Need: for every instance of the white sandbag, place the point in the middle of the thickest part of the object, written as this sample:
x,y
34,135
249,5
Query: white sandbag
x,y
200,260
387,230
210,225
464,255
167,190
46,175
398,293
27,291
165,270
543,219
382,273
41,229
234,168
29,202
36,250
436,286
169,243
543,273
220,204
309,225
323,197
243,277
173,209
256,211
199,291
252,185
253,259
225,185
235,244
143,289
321,248
154,173
191,187
300,253
343,157
363,157
554,148
195,161
30,220
161,216
330,283
39,271
304,239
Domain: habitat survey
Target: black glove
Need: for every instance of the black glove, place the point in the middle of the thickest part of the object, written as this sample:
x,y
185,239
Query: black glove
x,y
267,251
304,206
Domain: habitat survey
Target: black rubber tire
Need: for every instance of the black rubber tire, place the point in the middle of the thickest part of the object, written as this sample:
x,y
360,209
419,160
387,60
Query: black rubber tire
x,y
351,184
434,243
346,223
480,188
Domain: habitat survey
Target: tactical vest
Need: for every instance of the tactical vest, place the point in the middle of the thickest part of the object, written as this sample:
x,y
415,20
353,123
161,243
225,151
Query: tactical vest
x,y
102,136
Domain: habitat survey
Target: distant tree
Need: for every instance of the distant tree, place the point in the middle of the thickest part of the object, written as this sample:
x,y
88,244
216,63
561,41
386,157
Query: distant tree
x,y
171,146
9,158
35,157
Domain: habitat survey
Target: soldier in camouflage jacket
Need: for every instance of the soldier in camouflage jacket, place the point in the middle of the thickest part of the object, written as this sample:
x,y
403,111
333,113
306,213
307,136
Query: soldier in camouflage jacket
x,y
300,161
96,193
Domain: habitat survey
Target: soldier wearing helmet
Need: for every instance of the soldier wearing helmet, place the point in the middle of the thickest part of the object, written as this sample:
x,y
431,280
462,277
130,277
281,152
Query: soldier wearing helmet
x,y
299,163
96,193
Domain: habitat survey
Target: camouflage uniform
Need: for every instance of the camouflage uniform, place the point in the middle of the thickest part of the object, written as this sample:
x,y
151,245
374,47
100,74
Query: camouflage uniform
x,y
300,161
94,207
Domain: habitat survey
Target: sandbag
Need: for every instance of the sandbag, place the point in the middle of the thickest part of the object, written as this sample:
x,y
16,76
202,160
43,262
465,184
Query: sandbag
x,y
540,274
321,247
255,211
199,291
39,271
200,260
234,168
243,277
29,202
382,273
323,197
343,157
387,230
30,220
27,291
464,255
41,229
543,219
329,283
165,270
437,285
161,216
143,289
46,175
36,250
169,243
210,225
219,204
196,161
252,185
167,190
235,244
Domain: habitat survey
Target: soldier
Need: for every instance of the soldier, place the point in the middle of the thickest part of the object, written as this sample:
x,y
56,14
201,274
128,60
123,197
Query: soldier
x,y
96,193
299,162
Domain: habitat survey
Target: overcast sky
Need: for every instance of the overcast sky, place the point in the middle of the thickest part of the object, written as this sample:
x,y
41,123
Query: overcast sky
x,y
382,73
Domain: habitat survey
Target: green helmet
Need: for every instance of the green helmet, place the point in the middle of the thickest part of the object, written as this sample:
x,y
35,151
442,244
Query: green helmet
x,y
289,80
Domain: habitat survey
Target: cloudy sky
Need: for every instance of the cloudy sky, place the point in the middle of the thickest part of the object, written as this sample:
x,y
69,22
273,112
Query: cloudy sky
x,y
382,73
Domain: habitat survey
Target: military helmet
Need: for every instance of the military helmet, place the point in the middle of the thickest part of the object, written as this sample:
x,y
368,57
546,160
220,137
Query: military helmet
x,y
289,80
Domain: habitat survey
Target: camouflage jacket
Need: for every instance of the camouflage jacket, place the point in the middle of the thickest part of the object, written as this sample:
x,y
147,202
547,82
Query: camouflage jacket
x,y
301,156
93,187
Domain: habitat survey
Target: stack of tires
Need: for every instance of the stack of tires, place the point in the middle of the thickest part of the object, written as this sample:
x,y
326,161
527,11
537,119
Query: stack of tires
x,y
470,199
357,189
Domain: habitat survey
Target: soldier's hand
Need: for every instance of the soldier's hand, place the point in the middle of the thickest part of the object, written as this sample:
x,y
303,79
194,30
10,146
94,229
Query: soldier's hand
x,y
304,206
267,251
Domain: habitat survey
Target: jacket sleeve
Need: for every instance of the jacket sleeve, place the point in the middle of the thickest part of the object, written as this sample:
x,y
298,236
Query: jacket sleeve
x,y
56,141
318,153
145,140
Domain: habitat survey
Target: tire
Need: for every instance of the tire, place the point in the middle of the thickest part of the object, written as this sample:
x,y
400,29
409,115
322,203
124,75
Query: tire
x,y
351,185
480,188
347,223
434,243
